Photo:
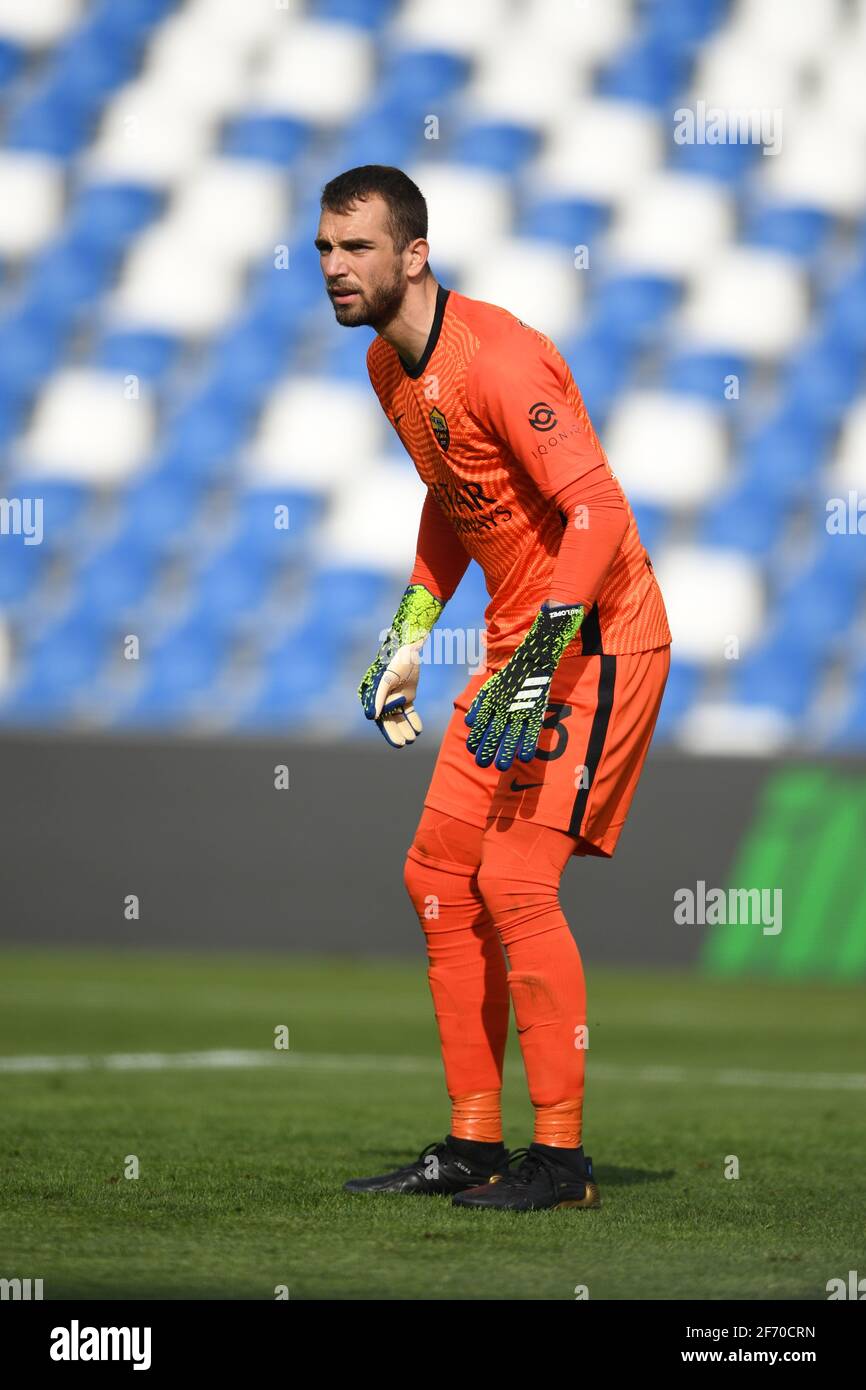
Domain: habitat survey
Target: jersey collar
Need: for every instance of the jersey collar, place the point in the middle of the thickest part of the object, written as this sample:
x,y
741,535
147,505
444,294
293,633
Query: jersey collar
x,y
436,328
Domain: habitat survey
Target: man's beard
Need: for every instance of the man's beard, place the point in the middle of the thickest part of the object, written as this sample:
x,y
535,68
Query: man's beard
x,y
376,309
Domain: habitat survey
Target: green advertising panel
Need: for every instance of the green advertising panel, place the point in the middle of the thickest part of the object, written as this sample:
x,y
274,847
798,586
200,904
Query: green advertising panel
x,y
807,839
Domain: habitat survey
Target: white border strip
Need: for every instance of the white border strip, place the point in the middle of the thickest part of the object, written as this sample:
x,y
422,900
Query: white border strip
x,y
233,1059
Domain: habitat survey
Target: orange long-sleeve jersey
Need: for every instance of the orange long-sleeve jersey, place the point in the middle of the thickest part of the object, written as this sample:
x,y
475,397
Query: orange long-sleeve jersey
x,y
517,480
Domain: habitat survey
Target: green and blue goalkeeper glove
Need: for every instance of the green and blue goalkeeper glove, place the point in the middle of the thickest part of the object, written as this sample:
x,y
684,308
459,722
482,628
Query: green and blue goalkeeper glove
x,y
507,713
387,691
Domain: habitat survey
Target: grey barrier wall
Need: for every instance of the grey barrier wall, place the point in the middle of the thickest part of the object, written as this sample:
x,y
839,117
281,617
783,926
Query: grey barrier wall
x,y
218,857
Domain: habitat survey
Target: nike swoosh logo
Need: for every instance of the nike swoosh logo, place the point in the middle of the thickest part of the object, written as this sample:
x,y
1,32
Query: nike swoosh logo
x,y
524,786
398,418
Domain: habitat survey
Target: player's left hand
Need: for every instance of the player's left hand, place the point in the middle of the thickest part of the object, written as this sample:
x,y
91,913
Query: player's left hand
x,y
390,696
507,713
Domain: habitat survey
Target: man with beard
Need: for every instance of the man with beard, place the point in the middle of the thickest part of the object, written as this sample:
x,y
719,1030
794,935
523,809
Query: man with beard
x,y
559,722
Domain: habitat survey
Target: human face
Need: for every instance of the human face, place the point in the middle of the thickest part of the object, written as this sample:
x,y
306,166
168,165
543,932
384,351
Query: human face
x,y
364,276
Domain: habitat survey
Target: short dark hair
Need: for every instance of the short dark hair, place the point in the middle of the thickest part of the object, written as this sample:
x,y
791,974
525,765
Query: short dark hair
x,y
407,209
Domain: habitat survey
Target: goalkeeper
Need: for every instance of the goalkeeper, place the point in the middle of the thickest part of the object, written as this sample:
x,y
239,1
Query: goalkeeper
x,y
542,755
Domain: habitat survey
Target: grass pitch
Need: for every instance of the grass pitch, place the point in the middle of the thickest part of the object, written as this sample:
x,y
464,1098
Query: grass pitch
x,y
240,1168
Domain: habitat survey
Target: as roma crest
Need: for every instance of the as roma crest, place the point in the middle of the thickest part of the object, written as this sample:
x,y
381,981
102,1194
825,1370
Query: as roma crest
x,y
440,428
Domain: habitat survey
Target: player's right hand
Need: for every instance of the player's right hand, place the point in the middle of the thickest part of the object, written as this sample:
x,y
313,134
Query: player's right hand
x,y
387,695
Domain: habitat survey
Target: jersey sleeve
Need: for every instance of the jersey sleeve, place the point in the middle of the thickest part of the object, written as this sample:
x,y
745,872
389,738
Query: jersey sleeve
x,y
440,559
522,397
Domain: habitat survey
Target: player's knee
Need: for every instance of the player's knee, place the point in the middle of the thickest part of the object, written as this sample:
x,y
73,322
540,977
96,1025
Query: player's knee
x,y
517,907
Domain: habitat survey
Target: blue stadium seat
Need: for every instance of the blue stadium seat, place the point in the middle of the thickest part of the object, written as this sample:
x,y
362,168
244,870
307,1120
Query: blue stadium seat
x,y
845,309
47,123
266,136
31,347
600,367
795,231
60,662
21,569
295,683
500,146
780,673
820,606
159,511
648,71
93,61
233,584
381,134
784,452
116,580
144,353
11,405
283,296
65,503
11,61
205,433
705,374
628,309
109,214
745,517
682,689
571,221
67,276
249,357
682,25
726,163
350,600
850,733
364,14
824,376
256,516
178,670
133,19
414,79
652,524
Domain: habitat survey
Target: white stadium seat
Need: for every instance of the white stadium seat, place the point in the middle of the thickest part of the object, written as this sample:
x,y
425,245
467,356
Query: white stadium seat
x,y
711,596
354,533
793,30
600,150
316,432
505,84
317,71
148,139
750,301
531,279
85,427
667,449
195,69
243,27
848,469
232,209
842,91
169,283
729,729
459,199
672,226
31,202
38,23
803,175
588,31
732,75
451,25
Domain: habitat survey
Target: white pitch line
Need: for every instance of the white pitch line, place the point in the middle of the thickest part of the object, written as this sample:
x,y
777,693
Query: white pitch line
x,y
228,1059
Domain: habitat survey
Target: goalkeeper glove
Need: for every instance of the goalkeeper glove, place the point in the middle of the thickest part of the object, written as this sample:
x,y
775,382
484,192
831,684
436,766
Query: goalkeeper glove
x,y
387,691
507,713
